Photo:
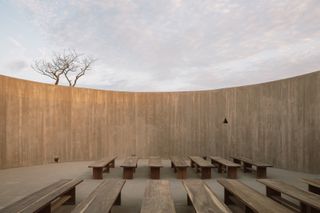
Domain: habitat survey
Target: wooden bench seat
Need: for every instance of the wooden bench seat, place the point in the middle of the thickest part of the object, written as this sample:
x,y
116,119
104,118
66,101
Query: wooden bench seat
x,y
248,163
309,202
103,198
202,198
223,163
313,185
237,193
202,166
155,164
157,198
100,165
129,167
48,199
180,166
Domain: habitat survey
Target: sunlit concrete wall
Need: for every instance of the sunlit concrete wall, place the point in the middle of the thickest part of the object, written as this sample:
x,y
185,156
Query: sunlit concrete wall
x,y
276,122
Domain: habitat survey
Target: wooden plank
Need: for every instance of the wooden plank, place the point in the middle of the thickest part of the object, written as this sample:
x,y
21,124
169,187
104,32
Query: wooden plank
x,y
157,198
155,161
251,198
178,161
130,162
107,193
200,161
204,200
103,162
305,197
43,197
249,161
224,161
313,182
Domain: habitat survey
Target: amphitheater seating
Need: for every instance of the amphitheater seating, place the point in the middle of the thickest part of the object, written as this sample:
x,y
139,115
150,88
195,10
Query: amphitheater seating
x,y
313,185
248,163
98,166
247,199
157,198
309,202
222,164
48,199
202,166
202,198
129,167
180,166
102,199
155,164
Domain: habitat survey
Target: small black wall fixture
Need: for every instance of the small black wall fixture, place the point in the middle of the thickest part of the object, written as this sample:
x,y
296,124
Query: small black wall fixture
x,y
225,121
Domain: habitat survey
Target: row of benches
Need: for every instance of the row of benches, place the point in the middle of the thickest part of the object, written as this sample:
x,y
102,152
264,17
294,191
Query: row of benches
x,y
180,166
238,197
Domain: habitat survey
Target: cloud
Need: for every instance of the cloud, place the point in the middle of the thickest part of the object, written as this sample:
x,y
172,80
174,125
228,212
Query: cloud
x,y
183,45
17,65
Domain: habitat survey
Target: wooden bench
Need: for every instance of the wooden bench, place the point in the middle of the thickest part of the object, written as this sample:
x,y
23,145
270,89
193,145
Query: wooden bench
x,y
202,198
155,164
100,165
180,166
223,163
201,165
157,198
103,198
313,185
48,199
129,167
309,202
243,198
248,163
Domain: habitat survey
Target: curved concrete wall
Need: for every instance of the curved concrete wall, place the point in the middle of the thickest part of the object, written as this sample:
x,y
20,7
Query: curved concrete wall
x,y
277,122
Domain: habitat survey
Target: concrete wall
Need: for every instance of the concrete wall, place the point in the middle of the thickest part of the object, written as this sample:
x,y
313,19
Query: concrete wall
x,y
277,122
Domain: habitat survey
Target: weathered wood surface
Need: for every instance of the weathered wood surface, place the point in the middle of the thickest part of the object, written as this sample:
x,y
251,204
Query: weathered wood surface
x,y
155,161
157,198
254,163
223,161
103,162
200,161
178,161
107,193
43,197
267,123
203,199
251,198
130,162
305,197
313,182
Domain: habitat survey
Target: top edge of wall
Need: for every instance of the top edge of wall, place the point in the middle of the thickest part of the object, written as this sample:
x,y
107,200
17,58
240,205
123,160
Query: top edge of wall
x,y
159,92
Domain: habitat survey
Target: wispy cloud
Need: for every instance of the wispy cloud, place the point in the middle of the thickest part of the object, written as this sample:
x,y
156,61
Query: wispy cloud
x,y
183,45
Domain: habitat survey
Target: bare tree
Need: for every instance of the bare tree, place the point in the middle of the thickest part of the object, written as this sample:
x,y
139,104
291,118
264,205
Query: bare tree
x,y
69,64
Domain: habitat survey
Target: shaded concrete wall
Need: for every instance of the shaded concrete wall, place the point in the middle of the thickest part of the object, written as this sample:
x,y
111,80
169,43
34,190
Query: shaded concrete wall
x,y
276,122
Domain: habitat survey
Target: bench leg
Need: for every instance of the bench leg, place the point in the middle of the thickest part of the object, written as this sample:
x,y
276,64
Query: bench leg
x,y
314,189
205,173
246,166
128,172
182,173
192,164
232,172
227,196
271,192
107,169
97,173
261,172
219,168
248,210
172,165
189,202
198,169
118,200
112,164
237,161
72,200
45,209
155,173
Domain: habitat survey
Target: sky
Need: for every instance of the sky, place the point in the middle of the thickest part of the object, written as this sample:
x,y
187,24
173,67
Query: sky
x,y
164,45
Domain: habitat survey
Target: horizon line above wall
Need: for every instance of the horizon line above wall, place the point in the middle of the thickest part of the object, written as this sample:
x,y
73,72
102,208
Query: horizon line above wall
x,y
276,122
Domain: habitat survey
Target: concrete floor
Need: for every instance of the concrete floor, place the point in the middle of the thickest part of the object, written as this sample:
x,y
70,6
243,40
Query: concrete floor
x,y
18,182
